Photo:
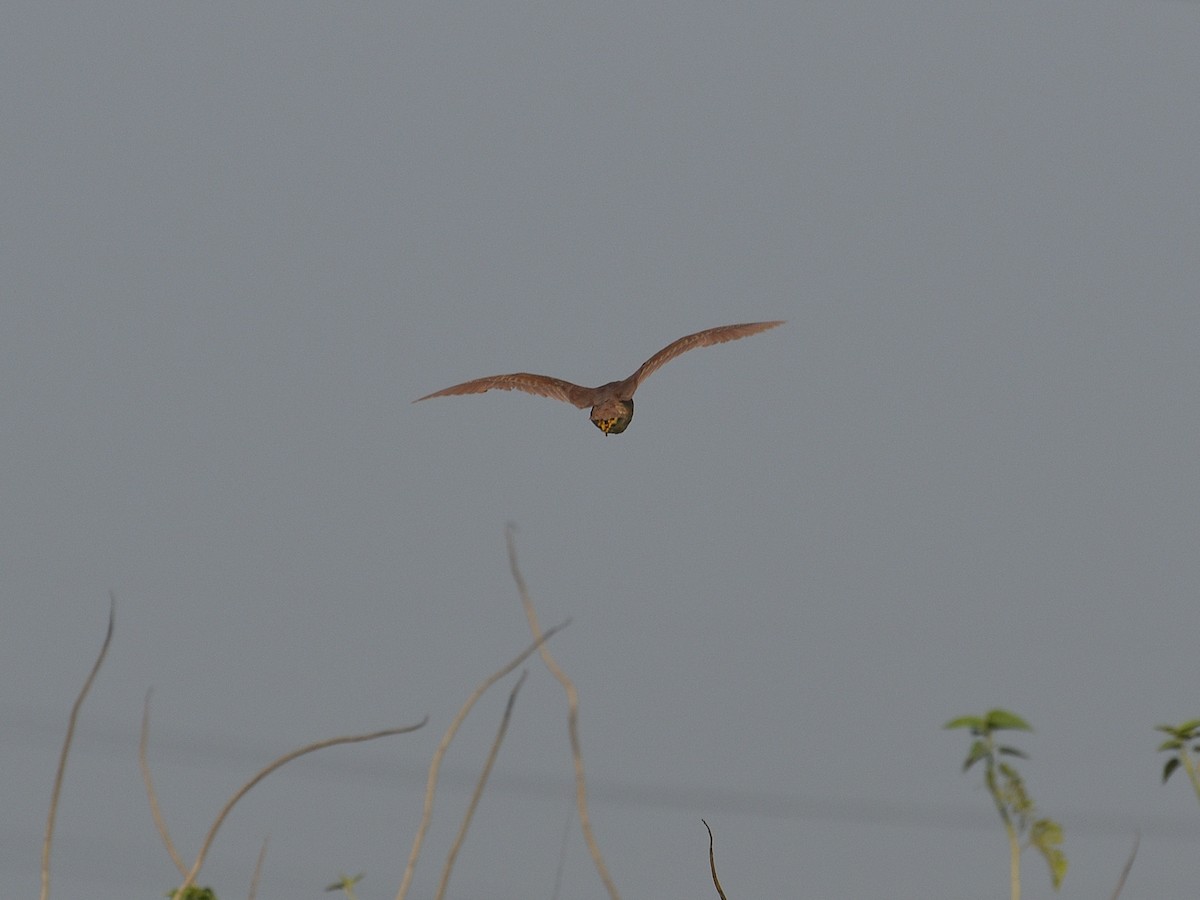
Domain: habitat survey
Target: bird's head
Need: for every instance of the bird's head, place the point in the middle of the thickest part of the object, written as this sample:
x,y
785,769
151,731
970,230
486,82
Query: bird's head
x,y
612,416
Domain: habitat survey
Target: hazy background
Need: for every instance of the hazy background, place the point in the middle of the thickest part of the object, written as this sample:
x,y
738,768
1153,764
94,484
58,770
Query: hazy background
x,y
237,241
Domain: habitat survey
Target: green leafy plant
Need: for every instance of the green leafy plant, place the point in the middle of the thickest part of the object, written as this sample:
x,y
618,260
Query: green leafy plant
x,y
1180,737
345,884
192,892
1016,807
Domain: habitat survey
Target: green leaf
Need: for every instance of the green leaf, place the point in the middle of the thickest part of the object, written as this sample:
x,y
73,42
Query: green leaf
x,y
978,751
1046,835
1057,861
1013,751
1173,744
345,884
973,722
1171,766
1184,732
998,719
1014,792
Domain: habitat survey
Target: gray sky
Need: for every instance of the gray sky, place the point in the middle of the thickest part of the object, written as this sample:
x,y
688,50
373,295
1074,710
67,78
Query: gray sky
x,y
237,242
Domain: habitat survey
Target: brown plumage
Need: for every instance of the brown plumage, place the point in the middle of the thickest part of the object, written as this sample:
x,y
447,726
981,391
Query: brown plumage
x,y
612,403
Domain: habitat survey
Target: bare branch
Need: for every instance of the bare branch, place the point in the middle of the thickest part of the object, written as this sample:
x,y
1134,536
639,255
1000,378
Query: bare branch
x,y
436,763
572,718
160,824
190,878
478,792
262,855
712,862
1137,840
60,774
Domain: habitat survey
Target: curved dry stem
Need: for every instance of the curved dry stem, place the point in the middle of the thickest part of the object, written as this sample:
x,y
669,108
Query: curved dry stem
x,y
258,864
160,824
1137,839
60,774
480,785
712,862
568,686
436,763
190,877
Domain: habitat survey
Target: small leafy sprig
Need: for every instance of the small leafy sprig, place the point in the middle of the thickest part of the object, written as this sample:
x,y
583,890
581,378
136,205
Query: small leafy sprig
x,y
1181,736
1013,803
192,892
345,884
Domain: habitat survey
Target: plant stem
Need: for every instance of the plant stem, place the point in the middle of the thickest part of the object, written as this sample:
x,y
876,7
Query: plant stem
x,y
1014,862
1190,768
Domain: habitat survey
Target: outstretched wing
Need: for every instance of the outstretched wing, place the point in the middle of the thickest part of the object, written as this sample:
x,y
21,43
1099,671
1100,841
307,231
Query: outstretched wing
x,y
718,335
541,385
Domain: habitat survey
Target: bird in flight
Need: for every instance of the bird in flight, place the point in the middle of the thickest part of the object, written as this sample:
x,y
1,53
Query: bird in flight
x,y
612,403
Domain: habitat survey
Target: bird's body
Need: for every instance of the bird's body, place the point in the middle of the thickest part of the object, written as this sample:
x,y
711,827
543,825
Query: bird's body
x,y
612,403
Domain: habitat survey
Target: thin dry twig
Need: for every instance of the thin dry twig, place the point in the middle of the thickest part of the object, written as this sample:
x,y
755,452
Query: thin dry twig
x,y
585,821
562,857
480,785
712,862
160,824
190,877
436,763
262,855
60,774
1137,839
